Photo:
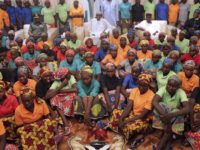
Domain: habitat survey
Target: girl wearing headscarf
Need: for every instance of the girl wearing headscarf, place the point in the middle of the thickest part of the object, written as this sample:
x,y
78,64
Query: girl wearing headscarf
x,y
47,49
131,39
190,81
63,92
175,55
44,83
161,40
171,105
79,57
61,52
42,61
31,55
8,102
134,120
144,54
155,63
123,47
192,55
19,61
24,80
115,37
164,73
74,43
90,46
26,112
111,86
147,36
125,66
87,103
70,63
14,54
166,49
112,57
96,67
131,80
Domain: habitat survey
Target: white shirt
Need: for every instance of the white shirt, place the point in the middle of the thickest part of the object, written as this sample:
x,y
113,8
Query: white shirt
x,y
97,27
110,11
151,27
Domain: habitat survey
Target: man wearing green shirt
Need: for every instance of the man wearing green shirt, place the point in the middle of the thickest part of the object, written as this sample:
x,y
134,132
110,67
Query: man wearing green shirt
x,y
193,7
62,16
149,7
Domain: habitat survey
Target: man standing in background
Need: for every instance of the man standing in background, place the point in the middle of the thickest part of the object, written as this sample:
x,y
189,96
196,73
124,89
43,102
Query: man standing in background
x,y
137,12
162,10
62,16
125,15
193,7
183,13
149,7
110,11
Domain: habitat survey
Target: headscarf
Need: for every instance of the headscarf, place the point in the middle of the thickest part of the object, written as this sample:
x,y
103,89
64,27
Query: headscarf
x,y
87,69
41,57
110,66
2,85
168,61
88,54
190,63
61,73
113,47
27,91
123,36
82,47
69,52
12,32
138,66
174,52
48,44
14,49
44,70
30,43
132,51
23,70
18,39
144,42
156,52
147,78
175,78
64,44
18,60
88,39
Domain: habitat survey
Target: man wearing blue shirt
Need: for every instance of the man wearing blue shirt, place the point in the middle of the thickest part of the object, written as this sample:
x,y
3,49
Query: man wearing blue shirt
x,y
19,13
162,10
11,12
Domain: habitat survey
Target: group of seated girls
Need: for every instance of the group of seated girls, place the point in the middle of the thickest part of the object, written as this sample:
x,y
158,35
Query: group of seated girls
x,y
137,86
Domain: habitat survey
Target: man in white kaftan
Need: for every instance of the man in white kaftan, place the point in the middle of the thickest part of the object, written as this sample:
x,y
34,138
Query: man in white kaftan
x,y
109,9
97,26
148,25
